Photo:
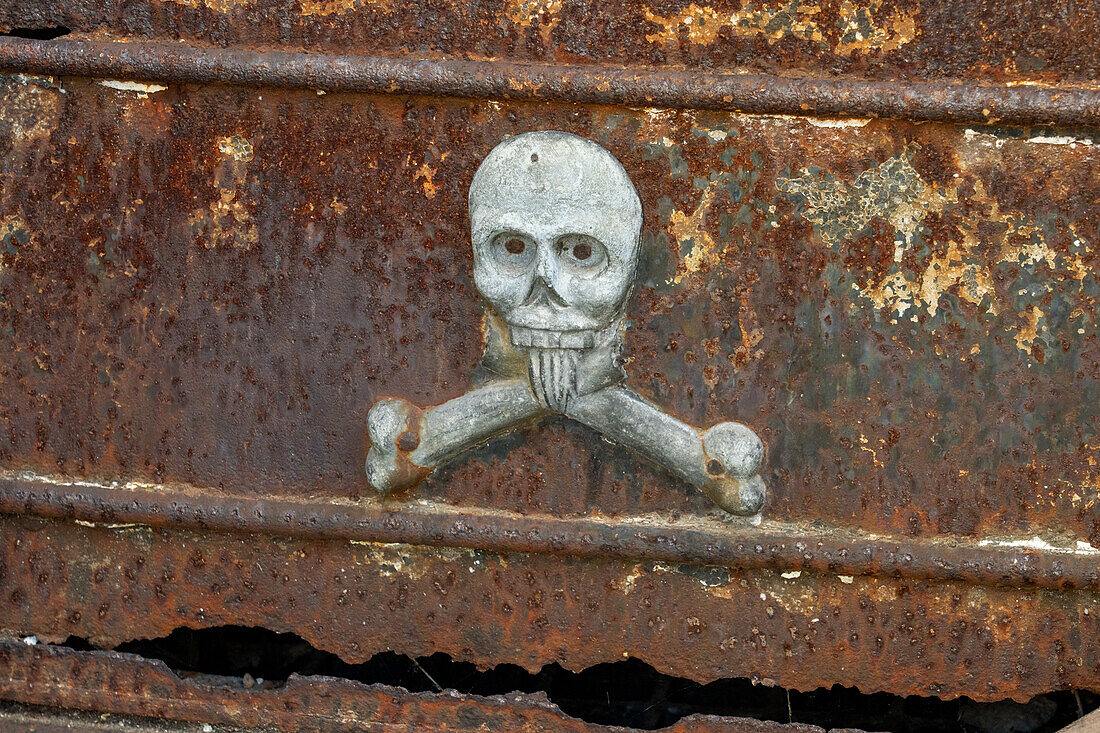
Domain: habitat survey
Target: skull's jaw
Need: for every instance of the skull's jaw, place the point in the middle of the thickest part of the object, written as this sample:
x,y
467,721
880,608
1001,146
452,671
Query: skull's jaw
x,y
560,364
552,374
574,362
553,358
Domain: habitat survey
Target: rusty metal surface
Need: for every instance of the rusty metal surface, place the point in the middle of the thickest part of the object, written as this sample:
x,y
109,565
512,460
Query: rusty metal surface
x,y
209,286
203,287
734,545
19,718
754,93
122,683
989,40
115,583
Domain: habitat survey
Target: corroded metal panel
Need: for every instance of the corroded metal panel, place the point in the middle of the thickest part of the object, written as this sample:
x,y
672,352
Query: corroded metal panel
x,y
214,262
1033,39
797,629
210,286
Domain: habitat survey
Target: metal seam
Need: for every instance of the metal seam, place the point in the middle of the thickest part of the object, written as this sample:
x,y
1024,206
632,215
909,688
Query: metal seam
x,y
699,541
945,101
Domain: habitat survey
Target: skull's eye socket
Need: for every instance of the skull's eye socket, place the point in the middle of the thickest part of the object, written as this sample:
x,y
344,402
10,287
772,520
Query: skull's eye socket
x,y
514,252
582,253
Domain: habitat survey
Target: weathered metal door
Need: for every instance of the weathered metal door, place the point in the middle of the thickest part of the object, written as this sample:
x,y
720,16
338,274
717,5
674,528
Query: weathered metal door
x,y
866,234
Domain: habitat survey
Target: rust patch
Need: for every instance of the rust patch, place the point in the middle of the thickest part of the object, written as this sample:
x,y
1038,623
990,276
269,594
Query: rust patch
x,y
877,39
236,147
29,107
855,27
218,6
896,193
865,27
524,13
332,7
228,220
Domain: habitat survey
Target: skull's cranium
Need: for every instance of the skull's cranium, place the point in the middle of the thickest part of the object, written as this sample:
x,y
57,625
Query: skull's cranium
x,y
555,223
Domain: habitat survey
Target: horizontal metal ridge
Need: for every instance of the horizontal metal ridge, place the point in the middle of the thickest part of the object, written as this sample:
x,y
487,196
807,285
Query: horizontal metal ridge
x,y
735,544
950,101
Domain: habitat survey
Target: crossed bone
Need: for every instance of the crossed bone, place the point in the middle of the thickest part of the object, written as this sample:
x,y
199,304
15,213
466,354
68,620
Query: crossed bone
x,y
407,443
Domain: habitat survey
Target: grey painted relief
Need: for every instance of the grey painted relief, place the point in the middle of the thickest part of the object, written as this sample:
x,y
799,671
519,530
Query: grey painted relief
x,y
556,223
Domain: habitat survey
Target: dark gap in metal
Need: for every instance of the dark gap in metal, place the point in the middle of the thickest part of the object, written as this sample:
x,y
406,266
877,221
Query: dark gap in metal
x,y
628,693
38,34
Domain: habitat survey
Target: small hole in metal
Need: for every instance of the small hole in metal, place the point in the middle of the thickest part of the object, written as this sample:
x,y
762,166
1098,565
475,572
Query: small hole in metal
x,y
408,441
715,467
582,251
534,157
515,246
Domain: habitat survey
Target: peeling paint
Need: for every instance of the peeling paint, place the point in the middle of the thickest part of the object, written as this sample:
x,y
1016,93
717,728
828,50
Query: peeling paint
x,y
893,191
414,562
525,13
218,6
337,7
237,147
141,89
843,122
228,221
1060,140
691,228
29,107
858,27
111,525
1038,543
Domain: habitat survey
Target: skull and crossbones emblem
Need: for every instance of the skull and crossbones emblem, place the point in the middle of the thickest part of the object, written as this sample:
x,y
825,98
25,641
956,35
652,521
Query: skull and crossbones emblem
x,y
556,225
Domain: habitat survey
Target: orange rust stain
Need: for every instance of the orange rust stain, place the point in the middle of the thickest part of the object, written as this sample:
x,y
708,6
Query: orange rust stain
x,y
427,173
751,335
228,220
339,7
1031,329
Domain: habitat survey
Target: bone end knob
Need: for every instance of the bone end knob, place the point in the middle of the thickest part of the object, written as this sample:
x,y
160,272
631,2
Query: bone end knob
x,y
734,454
393,427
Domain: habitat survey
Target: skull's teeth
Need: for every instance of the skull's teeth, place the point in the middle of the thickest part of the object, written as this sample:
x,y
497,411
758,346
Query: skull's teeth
x,y
537,338
553,375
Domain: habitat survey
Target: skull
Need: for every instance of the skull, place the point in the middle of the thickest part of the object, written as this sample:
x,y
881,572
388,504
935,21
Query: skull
x,y
555,223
